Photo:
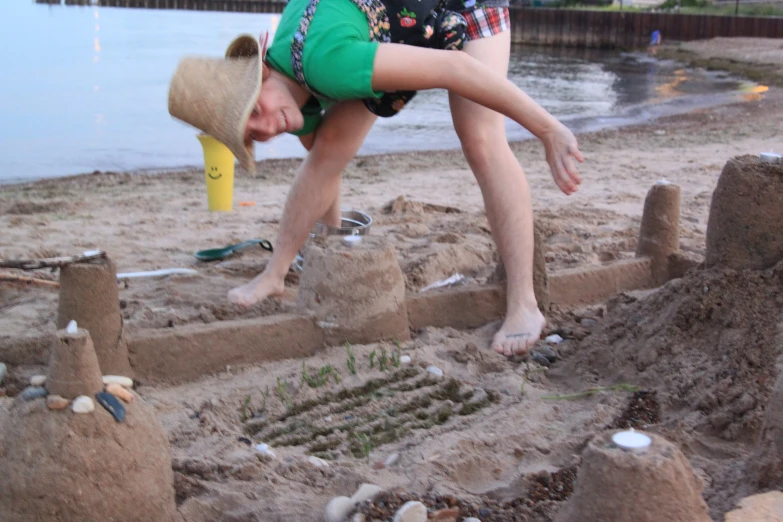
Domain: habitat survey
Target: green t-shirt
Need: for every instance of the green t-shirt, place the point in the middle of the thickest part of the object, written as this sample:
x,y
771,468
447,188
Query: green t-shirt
x,y
337,59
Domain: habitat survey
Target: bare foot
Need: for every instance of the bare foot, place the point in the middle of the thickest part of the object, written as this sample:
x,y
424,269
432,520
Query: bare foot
x,y
257,289
519,332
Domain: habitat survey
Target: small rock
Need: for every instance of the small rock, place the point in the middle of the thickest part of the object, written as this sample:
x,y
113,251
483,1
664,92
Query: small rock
x,y
328,419
317,462
112,405
119,391
56,402
412,511
33,392
366,492
338,508
434,370
519,453
37,380
3,372
392,459
540,359
660,132
405,359
72,327
471,519
445,515
118,379
265,450
349,417
245,440
358,517
554,339
587,322
378,465
83,404
547,352
485,512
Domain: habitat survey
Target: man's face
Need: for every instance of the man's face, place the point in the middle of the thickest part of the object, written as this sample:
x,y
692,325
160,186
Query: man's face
x,y
275,112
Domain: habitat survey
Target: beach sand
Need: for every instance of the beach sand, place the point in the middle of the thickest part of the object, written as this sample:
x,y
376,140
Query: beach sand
x,y
517,444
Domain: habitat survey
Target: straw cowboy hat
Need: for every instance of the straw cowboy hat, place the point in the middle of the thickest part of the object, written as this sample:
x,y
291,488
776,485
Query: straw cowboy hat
x,y
217,95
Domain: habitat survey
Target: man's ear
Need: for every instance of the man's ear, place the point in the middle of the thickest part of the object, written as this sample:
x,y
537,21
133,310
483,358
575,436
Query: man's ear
x,y
265,72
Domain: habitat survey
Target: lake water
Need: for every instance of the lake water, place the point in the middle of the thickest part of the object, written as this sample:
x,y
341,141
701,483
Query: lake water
x,y
86,89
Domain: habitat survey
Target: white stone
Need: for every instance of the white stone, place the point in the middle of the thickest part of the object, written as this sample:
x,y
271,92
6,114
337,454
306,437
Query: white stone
x,y
434,370
405,359
127,382
83,404
412,511
318,463
391,460
37,380
3,372
660,132
554,339
265,450
366,492
358,517
338,508
72,328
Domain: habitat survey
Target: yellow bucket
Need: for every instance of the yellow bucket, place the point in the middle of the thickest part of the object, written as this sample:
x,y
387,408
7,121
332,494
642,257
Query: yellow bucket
x,y
218,173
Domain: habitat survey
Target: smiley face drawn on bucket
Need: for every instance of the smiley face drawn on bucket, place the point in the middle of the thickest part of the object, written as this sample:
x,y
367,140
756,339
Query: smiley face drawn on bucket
x,y
214,174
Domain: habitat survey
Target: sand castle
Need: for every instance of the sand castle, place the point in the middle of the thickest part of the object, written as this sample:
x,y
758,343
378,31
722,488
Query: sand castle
x,y
76,449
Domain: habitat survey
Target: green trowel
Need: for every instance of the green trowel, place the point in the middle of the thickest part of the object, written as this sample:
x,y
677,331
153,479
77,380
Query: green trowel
x,y
216,254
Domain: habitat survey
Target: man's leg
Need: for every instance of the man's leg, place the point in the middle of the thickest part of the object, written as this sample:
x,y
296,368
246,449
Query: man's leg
x,y
506,198
314,192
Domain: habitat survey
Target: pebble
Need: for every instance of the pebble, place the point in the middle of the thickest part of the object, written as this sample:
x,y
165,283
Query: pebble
x,y
358,517
485,512
56,402
83,404
554,339
112,405
434,370
540,359
366,492
660,132
587,322
338,508
328,419
405,359
547,352
118,379
317,462
33,392
392,459
3,372
445,515
412,511
264,449
471,519
37,380
119,391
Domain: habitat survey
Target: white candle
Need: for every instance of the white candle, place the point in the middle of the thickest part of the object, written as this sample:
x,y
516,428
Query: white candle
x,y
769,157
632,441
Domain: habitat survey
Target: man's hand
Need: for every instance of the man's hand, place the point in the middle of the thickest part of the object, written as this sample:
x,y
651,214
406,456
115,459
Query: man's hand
x,y
561,151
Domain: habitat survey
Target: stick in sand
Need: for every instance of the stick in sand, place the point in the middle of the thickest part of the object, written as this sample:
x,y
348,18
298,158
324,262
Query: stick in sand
x,y
29,280
52,262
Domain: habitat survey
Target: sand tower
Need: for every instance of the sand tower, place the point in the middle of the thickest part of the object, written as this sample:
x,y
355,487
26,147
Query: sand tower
x,y
645,485
89,296
356,289
659,233
746,215
67,457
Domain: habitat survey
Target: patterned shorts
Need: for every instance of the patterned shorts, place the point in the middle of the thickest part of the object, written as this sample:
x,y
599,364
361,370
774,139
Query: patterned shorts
x,y
486,21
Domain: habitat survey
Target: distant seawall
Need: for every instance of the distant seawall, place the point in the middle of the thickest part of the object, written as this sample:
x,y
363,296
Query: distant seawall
x,y
539,26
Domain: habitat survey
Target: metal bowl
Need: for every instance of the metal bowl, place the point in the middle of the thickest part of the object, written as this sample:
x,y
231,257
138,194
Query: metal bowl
x,y
353,223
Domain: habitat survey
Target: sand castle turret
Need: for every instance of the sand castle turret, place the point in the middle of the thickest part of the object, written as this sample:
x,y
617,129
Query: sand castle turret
x,y
659,233
356,290
645,484
102,456
744,228
89,296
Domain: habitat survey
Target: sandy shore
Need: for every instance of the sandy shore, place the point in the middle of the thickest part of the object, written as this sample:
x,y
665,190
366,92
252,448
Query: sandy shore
x,y
148,222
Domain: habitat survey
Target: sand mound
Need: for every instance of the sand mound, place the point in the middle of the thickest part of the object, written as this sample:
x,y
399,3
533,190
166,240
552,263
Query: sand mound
x,y
705,343
63,466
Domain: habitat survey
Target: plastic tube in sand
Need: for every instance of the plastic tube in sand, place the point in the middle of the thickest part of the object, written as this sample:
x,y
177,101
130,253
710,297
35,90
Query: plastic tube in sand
x,y
218,173
89,296
659,234
744,228
73,366
629,481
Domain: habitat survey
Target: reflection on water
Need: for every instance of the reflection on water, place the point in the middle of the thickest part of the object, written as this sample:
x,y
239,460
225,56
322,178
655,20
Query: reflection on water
x,y
86,89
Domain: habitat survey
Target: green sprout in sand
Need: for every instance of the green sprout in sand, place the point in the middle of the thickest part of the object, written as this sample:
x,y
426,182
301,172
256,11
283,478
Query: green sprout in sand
x,y
365,444
372,359
351,359
282,393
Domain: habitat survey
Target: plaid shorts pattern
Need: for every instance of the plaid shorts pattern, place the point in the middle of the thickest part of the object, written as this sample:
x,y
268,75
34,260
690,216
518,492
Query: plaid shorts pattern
x,y
486,21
